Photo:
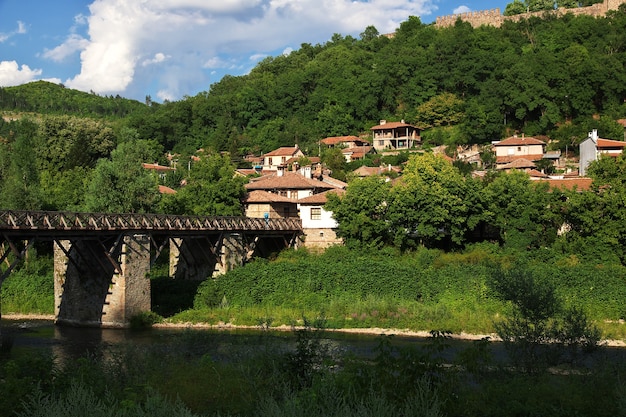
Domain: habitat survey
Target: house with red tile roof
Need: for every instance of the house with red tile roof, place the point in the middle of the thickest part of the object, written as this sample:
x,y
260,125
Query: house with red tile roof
x,y
344,142
594,146
319,226
295,194
395,135
279,157
513,148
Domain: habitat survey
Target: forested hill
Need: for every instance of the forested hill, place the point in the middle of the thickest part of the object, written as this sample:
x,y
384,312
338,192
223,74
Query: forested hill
x,y
529,77
559,77
48,98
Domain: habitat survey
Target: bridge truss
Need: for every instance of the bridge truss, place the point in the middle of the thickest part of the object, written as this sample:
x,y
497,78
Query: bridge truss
x,y
20,229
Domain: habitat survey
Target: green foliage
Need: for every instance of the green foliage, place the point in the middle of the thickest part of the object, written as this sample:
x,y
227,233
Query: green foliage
x,y
121,184
144,320
539,327
30,288
212,189
48,98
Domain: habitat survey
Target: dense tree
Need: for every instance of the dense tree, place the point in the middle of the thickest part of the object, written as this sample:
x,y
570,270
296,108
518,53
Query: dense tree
x,y
212,189
431,204
121,184
19,174
362,212
525,213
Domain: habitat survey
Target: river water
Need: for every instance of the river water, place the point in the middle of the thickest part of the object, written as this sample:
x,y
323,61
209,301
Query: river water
x,y
70,343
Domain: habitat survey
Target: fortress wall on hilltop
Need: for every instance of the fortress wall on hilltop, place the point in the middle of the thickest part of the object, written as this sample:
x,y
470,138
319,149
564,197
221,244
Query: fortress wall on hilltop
x,y
494,18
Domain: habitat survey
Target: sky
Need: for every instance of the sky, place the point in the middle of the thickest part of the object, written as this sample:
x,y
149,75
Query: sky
x,y
170,49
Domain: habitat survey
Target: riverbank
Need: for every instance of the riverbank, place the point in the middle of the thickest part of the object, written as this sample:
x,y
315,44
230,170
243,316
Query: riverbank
x,y
374,331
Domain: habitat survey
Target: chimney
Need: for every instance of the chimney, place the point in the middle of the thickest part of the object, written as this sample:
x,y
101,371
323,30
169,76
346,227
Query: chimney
x,y
382,122
280,171
594,134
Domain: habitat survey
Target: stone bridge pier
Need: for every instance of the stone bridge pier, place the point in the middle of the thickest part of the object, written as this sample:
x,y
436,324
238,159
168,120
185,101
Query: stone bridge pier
x,y
101,282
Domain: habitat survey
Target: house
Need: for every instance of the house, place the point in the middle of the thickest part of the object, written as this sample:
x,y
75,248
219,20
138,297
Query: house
x,y
592,147
160,170
353,148
293,185
295,194
514,148
344,142
279,157
395,135
364,171
263,204
318,224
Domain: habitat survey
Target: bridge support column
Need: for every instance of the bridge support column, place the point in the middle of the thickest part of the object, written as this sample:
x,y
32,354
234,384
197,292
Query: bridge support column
x,y
232,254
101,283
193,258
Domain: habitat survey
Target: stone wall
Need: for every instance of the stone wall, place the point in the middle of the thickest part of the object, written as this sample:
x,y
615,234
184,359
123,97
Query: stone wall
x,y
494,18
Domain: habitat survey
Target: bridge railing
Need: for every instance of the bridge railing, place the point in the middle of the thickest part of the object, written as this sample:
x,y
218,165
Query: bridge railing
x,y
18,220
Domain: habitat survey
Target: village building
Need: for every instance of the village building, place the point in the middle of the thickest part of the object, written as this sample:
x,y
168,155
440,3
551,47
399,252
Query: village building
x,y
279,157
284,194
395,136
594,146
518,152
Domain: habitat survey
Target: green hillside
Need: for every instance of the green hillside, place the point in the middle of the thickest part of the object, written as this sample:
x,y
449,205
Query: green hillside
x,y
48,98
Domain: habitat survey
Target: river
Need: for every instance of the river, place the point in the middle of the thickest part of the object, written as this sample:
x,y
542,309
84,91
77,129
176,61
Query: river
x,y
69,343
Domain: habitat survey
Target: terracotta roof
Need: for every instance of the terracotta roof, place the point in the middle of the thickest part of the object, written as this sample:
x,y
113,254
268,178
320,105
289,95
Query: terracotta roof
x,y
334,140
166,190
519,163
391,125
580,183
608,143
288,180
319,198
517,141
510,158
246,171
537,174
283,151
357,152
260,196
157,167
622,122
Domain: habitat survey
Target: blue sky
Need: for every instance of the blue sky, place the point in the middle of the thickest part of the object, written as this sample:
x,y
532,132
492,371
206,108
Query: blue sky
x,y
169,49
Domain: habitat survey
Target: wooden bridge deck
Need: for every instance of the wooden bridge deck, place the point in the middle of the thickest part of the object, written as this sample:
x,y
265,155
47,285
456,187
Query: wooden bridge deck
x,y
60,224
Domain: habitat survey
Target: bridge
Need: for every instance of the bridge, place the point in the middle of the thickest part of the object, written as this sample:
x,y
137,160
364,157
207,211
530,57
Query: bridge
x,y
102,261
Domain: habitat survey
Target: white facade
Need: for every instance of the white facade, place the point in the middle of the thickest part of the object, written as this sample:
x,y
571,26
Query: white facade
x,y
312,220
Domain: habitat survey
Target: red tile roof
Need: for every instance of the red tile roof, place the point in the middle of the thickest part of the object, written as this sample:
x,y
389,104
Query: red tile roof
x,y
319,198
510,158
283,151
517,141
391,125
580,183
286,181
157,167
260,196
166,190
342,139
518,163
608,143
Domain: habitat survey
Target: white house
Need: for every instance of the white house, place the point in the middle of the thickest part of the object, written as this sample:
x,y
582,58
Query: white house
x,y
592,147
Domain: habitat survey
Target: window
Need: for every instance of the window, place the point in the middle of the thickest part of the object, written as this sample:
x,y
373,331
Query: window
x,y
316,213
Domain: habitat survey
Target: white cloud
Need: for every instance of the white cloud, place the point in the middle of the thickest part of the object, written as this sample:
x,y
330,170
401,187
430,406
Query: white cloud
x,y
188,37
73,44
257,57
158,58
21,29
461,9
12,74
